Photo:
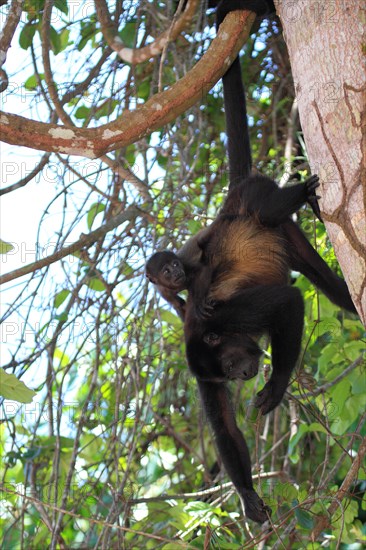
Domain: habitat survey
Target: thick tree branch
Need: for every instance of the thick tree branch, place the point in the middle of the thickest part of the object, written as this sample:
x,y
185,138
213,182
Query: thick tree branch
x,y
133,125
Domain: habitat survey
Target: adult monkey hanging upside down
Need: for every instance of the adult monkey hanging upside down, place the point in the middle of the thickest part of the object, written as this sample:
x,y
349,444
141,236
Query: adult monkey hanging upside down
x,y
236,294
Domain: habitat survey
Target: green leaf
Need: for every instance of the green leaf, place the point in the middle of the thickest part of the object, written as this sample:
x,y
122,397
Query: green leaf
x,y
128,34
32,82
60,297
143,91
292,451
82,112
328,325
62,317
169,317
358,382
194,226
12,388
64,39
5,247
106,109
55,39
87,32
94,210
62,6
303,429
329,356
354,349
96,284
62,357
304,519
26,35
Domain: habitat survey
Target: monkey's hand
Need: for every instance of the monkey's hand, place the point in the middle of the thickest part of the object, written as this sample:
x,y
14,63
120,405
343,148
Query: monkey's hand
x,y
180,306
270,396
205,307
311,184
254,507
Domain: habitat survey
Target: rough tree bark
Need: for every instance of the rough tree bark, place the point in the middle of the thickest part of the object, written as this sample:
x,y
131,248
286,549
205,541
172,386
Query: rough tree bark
x,y
326,44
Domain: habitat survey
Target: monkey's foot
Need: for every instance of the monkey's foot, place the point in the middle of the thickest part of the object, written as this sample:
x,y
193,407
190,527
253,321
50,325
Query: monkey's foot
x,y
311,185
254,507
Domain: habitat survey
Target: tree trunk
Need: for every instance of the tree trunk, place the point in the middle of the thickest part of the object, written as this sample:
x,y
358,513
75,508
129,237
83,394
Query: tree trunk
x,y
326,44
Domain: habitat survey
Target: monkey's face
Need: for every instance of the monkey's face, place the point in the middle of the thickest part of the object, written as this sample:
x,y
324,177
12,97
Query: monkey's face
x,y
172,275
165,269
237,354
237,362
216,358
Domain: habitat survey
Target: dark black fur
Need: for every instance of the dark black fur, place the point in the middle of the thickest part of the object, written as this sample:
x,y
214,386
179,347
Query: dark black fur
x,y
222,345
219,347
236,119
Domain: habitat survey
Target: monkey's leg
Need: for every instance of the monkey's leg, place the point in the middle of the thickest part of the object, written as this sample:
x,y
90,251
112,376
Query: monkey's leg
x,y
305,259
272,204
232,447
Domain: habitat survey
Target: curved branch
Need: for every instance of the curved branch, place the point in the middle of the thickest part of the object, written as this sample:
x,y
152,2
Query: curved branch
x,y
80,87
46,46
85,240
9,28
135,56
133,125
324,521
21,183
126,174
325,387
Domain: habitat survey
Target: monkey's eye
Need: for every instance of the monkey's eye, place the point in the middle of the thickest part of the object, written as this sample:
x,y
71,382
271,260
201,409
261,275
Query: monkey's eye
x,y
175,263
212,339
229,365
166,271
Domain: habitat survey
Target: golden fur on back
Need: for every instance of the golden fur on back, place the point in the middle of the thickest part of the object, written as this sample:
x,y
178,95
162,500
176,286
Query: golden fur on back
x,y
246,254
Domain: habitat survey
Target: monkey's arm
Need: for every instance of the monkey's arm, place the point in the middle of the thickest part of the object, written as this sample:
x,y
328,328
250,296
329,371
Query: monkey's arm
x,y
232,447
191,252
199,290
286,326
278,310
174,300
261,197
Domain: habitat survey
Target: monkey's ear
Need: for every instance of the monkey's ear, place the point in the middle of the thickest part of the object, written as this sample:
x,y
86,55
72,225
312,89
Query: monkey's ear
x,y
151,279
212,339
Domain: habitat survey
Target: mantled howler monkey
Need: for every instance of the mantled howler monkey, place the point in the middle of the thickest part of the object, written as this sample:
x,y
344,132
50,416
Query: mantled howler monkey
x,y
236,273
219,346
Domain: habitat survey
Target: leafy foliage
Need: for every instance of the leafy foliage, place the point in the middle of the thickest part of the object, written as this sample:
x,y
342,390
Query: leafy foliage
x,y
114,451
